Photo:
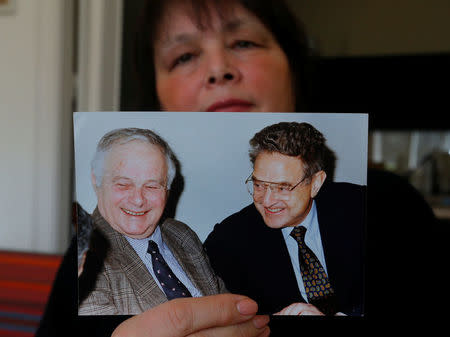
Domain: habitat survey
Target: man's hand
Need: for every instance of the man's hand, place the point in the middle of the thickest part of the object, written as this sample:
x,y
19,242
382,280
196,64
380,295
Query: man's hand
x,y
300,309
218,315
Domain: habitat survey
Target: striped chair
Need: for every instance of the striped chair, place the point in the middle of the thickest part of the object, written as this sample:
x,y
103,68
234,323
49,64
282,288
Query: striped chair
x,y
25,283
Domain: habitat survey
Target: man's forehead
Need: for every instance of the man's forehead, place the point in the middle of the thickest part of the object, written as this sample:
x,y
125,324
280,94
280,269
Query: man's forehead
x,y
277,166
129,146
137,151
114,178
267,156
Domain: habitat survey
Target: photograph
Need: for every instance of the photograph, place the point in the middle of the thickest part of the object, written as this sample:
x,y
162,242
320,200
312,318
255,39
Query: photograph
x,y
180,204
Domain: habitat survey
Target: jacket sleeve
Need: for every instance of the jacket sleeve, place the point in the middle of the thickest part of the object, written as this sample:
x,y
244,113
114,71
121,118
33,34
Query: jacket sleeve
x,y
100,300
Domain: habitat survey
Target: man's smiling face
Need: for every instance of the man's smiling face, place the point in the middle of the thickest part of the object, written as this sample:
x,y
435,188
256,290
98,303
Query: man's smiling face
x,y
133,194
287,211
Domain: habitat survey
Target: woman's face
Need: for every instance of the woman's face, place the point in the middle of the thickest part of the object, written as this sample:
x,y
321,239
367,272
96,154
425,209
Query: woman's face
x,y
234,64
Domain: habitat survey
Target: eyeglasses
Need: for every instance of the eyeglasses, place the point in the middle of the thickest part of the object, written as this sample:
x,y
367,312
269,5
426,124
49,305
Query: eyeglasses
x,y
257,188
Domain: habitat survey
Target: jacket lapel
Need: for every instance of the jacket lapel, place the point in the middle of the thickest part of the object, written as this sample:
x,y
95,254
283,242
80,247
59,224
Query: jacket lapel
x,y
329,233
145,288
146,292
189,260
338,256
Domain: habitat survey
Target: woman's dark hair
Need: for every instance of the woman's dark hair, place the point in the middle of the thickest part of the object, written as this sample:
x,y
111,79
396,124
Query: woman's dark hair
x,y
274,14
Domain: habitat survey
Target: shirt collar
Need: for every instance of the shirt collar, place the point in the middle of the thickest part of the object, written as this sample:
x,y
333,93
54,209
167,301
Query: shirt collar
x,y
142,244
308,223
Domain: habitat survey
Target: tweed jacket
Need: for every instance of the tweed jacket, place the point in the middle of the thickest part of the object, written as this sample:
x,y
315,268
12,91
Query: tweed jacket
x,y
124,286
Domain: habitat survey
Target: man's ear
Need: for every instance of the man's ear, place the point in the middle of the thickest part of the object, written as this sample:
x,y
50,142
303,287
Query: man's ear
x,y
94,182
317,181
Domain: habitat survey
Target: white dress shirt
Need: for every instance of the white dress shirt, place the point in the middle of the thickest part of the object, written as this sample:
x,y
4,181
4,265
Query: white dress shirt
x,y
312,240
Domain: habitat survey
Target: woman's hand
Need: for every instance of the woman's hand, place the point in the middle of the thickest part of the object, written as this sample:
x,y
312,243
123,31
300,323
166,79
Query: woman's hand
x,y
300,309
218,315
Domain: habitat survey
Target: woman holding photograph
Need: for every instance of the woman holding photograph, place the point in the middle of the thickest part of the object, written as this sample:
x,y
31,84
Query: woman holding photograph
x,y
227,56
211,55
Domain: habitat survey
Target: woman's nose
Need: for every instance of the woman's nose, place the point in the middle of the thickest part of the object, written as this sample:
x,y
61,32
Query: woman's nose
x,y
221,69
227,76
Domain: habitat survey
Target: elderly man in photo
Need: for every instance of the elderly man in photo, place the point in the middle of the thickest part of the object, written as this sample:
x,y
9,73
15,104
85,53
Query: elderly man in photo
x,y
298,249
145,260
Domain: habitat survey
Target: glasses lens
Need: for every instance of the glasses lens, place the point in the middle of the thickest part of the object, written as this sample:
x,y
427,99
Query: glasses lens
x,y
249,184
282,190
257,188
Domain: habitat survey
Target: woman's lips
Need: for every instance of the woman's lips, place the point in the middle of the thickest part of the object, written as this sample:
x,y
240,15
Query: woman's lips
x,y
230,105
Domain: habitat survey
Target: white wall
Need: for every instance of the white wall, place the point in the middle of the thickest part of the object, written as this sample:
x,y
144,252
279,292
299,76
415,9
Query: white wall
x,y
35,123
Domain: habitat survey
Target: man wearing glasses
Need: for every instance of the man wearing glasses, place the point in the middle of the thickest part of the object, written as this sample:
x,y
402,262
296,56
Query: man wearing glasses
x,y
143,260
298,249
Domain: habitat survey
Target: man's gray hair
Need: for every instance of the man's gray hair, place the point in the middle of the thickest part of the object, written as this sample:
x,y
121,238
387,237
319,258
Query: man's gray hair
x,y
126,135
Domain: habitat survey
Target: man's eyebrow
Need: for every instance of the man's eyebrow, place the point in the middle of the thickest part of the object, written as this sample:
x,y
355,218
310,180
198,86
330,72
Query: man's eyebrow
x,y
129,180
117,178
271,182
153,181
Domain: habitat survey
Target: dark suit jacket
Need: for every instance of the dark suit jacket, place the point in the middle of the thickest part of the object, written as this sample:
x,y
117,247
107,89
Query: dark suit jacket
x,y
124,286
253,260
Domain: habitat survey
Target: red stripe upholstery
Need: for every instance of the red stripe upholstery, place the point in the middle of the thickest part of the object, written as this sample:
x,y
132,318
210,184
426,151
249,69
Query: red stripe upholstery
x,y
25,283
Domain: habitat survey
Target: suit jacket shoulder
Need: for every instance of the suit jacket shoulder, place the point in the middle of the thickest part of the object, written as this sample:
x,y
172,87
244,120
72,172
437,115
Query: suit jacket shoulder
x,y
341,211
342,193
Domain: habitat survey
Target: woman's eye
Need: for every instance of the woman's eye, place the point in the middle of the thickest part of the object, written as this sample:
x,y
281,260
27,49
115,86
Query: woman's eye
x,y
186,57
244,44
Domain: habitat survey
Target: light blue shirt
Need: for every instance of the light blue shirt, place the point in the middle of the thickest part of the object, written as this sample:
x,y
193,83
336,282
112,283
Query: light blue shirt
x,y
140,246
312,240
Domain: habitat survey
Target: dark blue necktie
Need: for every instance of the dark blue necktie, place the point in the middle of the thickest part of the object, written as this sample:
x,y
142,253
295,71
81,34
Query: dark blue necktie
x,y
170,284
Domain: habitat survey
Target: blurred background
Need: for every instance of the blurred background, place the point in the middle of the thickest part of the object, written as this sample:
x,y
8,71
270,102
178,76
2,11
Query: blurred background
x,y
386,58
